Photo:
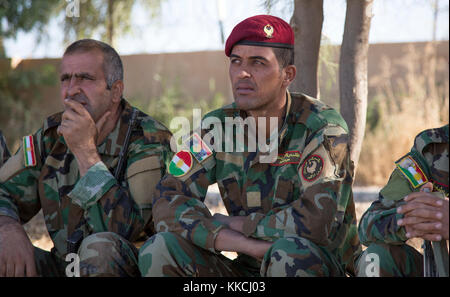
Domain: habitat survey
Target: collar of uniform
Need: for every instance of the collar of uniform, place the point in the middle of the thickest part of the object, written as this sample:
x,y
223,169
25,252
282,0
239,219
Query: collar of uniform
x,y
114,141
277,133
283,129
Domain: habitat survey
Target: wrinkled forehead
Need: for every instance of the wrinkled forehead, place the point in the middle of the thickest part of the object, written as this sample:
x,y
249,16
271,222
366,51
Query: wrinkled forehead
x,y
82,62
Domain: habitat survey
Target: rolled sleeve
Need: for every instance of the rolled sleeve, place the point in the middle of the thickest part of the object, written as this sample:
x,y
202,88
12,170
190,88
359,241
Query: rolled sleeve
x,y
9,213
92,186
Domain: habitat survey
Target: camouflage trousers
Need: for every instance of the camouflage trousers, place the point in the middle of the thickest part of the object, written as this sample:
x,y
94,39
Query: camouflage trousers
x,y
168,254
100,254
394,260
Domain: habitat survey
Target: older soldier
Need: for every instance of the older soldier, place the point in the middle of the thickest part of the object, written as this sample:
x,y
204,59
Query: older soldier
x,y
4,152
292,216
404,210
90,169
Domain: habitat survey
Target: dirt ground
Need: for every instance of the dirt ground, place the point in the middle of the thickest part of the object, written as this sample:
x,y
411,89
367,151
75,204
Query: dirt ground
x,y
37,231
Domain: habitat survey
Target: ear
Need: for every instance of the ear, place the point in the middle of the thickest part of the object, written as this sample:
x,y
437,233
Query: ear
x,y
117,91
289,74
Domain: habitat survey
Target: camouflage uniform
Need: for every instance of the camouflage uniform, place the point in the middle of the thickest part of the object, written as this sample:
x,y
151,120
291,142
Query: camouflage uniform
x,y
4,152
310,219
378,227
106,214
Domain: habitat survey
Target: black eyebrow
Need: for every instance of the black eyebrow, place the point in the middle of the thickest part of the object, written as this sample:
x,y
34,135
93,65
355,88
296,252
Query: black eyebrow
x,y
258,58
64,76
78,75
84,74
251,57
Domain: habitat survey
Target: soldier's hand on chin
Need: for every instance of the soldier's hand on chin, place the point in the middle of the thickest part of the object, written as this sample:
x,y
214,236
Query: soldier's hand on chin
x,y
81,133
16,250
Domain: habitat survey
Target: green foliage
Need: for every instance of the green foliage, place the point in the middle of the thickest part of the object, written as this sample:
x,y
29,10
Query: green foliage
x,y
19,90
96,16
23,15
373,114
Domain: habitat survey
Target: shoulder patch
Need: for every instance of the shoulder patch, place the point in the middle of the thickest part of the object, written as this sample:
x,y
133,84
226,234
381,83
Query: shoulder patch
x,y
181,164
412,171
29,151
198,148
396,188
312,168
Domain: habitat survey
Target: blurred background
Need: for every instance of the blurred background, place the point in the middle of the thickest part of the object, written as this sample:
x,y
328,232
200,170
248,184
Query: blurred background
x,y
173,58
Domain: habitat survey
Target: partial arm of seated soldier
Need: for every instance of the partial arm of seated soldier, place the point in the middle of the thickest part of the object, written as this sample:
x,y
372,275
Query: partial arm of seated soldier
x,y
82,134
16,250
230,240
19,202
98,191
425,215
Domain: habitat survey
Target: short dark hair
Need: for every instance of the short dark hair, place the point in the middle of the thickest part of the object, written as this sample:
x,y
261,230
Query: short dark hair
x,y
285,56
112,64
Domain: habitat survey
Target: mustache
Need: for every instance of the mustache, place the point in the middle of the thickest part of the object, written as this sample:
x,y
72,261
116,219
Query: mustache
x,y
80,98
245,83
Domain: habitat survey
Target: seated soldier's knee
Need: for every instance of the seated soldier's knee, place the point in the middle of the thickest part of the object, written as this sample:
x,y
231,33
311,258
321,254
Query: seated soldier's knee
x,y
156,253
294,256
107,254
387,260
94,244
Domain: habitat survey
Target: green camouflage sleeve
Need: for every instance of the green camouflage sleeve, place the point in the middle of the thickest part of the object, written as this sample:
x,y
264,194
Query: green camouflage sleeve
x,y
179,205
124,208
19,196
379,223
4,152
326,177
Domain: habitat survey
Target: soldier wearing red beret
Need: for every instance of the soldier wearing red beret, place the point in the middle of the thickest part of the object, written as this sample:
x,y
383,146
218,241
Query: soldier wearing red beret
x,y
291,216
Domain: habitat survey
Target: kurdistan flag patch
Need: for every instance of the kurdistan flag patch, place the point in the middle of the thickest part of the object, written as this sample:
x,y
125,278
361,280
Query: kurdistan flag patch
x,y
412,171
181,163
28,149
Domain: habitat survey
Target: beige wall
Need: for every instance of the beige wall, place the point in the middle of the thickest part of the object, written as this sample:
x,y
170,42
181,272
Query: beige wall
x,y
201,74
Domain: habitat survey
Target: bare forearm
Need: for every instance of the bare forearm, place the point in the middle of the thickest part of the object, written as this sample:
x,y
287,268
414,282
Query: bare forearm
x,y
233,241
5,220
86,159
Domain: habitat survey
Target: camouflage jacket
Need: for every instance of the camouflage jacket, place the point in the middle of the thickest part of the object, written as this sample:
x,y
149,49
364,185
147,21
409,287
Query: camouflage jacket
x,y
4,152
97,202
429,158
306,192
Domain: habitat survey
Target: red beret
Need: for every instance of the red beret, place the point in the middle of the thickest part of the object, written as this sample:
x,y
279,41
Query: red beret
x,y
261,30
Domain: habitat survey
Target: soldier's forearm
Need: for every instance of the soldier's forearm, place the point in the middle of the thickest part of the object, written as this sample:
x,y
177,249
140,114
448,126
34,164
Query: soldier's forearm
x,y
7,220
233,241
86,159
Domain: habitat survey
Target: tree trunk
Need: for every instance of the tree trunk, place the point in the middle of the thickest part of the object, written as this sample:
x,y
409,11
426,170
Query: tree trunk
x,y
2,48
110,32
353,72
307,25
